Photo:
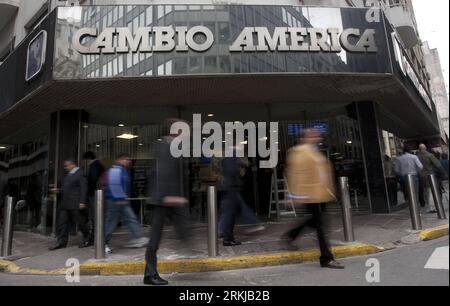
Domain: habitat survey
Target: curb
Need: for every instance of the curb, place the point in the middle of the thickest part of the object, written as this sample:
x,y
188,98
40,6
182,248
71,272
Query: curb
x,y
195,265
224,263
434,233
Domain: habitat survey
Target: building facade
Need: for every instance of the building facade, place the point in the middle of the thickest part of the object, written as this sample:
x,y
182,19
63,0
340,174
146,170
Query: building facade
x,y
438,88
102,75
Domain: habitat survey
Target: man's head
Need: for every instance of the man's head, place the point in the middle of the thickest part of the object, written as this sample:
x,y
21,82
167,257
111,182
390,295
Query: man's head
x,y
89,155
70,164
310,136
422,147
124,160
407,149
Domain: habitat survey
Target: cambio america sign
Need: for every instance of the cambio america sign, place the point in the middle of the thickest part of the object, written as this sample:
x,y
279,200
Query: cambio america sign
x,y
201,39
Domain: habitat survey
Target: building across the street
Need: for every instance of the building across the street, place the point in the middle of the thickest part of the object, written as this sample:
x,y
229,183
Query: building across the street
x,y
101,76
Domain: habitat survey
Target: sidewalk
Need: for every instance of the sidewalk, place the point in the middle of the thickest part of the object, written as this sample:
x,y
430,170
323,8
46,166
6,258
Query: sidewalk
x,y
374,233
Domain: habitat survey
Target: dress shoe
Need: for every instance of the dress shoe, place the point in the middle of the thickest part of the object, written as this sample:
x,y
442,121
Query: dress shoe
x,y
56,247
155,281
332,264
231,243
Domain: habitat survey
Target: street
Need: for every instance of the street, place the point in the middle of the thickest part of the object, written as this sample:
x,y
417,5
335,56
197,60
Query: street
x,y
423,264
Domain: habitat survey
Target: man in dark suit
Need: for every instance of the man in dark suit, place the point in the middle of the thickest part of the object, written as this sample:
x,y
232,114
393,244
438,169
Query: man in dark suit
x,y
95,172
169,201
74,193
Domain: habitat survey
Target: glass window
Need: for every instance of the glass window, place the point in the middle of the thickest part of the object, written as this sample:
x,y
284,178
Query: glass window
x,y
120,12
210,64
120,64
160,11
129,60
169,68
195,65
142,19
161,69
149,15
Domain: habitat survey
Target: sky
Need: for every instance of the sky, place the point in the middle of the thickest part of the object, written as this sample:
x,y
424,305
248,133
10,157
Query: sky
x,y
433,21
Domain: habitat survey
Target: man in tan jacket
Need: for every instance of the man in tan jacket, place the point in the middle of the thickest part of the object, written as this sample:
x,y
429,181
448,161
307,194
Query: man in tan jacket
x,y
310,183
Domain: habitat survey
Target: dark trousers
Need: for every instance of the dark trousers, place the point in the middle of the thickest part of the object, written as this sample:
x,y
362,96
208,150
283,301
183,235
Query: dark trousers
x,y
179,217
91,217
391,183
315,221
231,205
68,218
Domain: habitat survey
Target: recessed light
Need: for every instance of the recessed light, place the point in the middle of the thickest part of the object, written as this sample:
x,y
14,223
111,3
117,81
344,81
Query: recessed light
x,y
97,146
349,142
85,126
127,136
3,148
141,144
210,115
121,125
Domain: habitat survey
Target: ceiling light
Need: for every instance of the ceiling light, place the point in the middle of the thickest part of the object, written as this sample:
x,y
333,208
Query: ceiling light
x,y
127,136
121,125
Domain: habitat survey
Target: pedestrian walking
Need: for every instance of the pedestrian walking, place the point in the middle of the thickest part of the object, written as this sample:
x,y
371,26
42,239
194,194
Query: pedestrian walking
x,y
310,184
72,206
118,206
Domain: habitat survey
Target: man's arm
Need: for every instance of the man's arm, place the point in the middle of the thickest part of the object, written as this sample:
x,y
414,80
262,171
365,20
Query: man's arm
x,y
419,165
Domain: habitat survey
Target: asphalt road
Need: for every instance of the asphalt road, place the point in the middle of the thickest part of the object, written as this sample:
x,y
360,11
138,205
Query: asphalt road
x,y
404,266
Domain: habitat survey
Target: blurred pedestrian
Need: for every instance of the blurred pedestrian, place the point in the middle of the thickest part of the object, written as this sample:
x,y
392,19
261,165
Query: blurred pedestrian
x,y
391,179
233,203
408,163
117,204
74,193
431,165
310,183
169,201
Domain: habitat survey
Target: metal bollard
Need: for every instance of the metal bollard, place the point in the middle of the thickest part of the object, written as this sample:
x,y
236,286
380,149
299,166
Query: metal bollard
x,y
411,187
213,239
435,189
346,210
99,242
8,227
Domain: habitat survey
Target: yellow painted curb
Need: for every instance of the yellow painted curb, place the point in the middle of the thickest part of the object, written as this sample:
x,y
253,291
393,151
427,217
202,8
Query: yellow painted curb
x,y
434,233
223,263
8,266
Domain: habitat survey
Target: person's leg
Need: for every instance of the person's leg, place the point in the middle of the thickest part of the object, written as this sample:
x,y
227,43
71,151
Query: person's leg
x,y
430,206
63,227
91,218
112,218
130,220
81,219
421,192
231,206
159,216
317,221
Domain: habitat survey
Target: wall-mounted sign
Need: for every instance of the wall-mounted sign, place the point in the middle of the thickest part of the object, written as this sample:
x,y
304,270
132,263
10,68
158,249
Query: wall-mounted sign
x,y
200,39
36,55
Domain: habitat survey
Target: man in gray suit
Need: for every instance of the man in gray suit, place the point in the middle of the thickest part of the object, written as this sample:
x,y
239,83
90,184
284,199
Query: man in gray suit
x,y
73,205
